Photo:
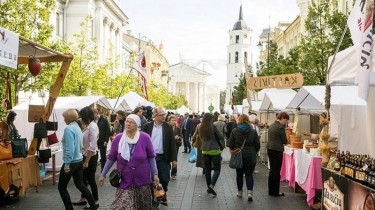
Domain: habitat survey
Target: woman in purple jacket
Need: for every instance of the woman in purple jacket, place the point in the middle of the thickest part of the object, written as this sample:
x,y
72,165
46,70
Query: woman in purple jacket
x,y
135,157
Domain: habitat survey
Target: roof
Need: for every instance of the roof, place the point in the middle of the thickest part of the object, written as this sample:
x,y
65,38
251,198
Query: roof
x,y
240,24
44,54
313,97
188,69
276,100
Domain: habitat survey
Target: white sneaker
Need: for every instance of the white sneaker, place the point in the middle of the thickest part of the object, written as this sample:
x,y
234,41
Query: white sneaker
x,y
239,194
250,195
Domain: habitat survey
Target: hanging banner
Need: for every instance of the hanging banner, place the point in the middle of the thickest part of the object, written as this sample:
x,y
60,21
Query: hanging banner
x,y
275,81
9,43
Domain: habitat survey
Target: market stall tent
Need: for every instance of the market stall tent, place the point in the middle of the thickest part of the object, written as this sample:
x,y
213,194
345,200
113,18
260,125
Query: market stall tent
x,y
356,122
25,128
276,100
134,100
119,104
183,109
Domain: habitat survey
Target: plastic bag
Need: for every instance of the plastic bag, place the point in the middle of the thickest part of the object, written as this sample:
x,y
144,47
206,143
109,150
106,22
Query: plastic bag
x,y
192,156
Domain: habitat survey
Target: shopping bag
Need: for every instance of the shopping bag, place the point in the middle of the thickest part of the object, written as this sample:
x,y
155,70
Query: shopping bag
x,y
19,147
5,150
40,130
192,156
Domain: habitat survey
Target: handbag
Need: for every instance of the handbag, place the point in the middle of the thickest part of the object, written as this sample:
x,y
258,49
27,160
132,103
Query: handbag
x,y
115,177
40,130
52,138
44,153
35,113
52,125
5,150
159,192
19,147
236,160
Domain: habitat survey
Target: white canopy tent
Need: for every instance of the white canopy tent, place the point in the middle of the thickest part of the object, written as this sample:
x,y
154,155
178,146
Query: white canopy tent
x,y
277,100
356,121
134,100
120,105
183,109
26,128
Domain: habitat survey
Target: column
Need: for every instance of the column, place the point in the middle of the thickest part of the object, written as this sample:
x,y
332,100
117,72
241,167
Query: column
x,y
205,103
196,97
187,92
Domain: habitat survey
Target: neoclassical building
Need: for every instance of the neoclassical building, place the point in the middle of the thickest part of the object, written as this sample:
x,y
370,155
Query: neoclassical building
x,y
191,82
238,49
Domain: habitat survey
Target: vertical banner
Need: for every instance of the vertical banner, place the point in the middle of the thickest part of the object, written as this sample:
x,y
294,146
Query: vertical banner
x,y
360,24
9,43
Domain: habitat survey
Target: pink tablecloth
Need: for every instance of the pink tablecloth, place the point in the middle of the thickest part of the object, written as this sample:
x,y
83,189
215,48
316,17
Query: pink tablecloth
x,y
313,180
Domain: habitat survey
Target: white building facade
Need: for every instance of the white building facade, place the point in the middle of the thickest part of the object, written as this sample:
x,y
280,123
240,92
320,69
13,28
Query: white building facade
x,y
105,22
238,49
191,82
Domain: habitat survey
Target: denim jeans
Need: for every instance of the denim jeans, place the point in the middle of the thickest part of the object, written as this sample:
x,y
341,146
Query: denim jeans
x,y
89,176
64,179
210,160
248,176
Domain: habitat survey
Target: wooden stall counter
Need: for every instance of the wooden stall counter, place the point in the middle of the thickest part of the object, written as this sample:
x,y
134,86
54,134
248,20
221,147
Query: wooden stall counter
x,y
20,172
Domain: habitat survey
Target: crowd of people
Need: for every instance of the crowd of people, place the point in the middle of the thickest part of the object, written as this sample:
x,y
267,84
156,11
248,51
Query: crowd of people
x,y
145,151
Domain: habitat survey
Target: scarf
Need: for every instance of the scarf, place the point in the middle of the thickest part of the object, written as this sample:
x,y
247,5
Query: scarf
x,y
123,147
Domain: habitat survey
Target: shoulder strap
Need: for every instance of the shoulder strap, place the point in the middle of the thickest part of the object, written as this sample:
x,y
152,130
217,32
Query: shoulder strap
x,y
243,144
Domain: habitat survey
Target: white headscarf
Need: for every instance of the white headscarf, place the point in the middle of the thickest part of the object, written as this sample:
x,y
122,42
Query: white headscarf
x,y
123,147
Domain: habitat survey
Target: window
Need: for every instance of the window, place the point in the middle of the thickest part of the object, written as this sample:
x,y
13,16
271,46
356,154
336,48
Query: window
x,y
236,58
229,58
245,54
237,39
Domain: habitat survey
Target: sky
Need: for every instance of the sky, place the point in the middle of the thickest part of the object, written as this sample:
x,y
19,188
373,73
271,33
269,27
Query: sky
x,y
197,30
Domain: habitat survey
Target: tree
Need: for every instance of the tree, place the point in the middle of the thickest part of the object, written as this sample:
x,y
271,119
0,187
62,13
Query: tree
x,y
325,28
161,97
30,19
240,90
270,66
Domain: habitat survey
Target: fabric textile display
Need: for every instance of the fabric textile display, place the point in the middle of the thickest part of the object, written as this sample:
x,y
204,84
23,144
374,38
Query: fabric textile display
x,y
19,147
5,150
192,156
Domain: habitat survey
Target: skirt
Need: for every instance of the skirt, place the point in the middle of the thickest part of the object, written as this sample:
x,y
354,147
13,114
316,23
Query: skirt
x,y
133,199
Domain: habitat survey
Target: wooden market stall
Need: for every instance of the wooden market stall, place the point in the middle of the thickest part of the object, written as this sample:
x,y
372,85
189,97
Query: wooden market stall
x,y
24,172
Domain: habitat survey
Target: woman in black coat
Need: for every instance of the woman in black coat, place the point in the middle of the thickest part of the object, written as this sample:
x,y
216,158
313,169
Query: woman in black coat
x,y
243,132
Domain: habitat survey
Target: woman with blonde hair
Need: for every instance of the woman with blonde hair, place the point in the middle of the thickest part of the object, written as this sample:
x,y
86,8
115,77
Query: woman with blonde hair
x,y
72,156
221,127
244,135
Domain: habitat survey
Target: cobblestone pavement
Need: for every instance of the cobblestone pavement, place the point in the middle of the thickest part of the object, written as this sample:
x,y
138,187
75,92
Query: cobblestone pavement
x,y
188,191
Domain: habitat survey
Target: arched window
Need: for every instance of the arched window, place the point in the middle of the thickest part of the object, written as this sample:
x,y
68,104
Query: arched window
x,y
245,54
229,58
236,58
237,39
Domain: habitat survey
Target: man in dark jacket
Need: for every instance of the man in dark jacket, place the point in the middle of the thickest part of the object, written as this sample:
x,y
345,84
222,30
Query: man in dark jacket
x,y
104,133
186,132
162,138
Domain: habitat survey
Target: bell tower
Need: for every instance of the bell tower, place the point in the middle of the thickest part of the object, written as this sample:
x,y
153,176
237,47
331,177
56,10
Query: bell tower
x,y
238,49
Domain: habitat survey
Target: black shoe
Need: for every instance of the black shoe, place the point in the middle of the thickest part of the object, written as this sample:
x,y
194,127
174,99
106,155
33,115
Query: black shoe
x,y
184,152
88,207
277,194
212,191
80,203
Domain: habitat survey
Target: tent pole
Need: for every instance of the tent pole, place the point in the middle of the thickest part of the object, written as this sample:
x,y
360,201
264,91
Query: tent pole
x,y
122,89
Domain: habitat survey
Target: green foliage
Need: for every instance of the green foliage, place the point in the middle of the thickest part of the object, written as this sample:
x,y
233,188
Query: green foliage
x,y
325,29
161,97
240,90
310,57
30,19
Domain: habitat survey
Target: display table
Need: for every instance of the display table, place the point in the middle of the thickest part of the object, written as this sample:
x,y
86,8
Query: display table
x,y
303,169
20,172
